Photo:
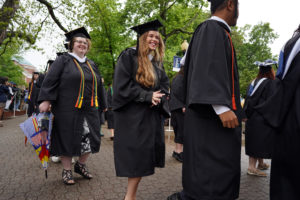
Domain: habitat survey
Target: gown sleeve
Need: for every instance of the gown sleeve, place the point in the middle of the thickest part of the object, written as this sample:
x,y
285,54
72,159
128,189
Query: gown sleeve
x,y
125,88
275,108
48,91
208,67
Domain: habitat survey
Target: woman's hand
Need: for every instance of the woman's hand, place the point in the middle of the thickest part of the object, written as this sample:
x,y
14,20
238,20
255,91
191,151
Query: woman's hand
x,y
45,106
156,98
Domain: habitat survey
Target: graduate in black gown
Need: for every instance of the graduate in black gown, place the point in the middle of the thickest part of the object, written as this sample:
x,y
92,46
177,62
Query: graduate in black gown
x,y
212,129
282,112
73,90
109,113
177,109
138,104
258,134
33,95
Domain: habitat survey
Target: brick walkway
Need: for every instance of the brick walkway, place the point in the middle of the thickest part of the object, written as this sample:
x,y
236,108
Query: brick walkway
x,y
21,176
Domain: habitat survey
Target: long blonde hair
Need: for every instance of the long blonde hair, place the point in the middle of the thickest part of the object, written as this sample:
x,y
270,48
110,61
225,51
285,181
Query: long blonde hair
x,y
145,74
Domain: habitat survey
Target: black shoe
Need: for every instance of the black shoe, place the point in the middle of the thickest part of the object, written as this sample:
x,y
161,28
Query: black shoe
x,y
175,196
82,170
177,156
67,177
181,155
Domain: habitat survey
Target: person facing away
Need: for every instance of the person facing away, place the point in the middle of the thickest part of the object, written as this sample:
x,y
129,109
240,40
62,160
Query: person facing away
x,y
74,90
177,109
212,129
281,111
258,134
140,83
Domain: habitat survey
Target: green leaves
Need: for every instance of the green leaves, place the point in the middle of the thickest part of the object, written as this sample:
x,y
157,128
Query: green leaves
x,y
252,44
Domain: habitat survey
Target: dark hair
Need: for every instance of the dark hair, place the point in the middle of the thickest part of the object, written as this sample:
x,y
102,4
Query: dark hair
x,y
214,8
270,74
3,79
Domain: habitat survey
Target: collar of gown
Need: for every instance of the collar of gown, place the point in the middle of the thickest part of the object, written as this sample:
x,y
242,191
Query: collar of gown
x,y
220,20
82,60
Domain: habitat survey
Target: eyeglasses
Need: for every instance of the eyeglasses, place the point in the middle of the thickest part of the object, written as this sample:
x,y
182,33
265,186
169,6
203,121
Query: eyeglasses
x,y
81,42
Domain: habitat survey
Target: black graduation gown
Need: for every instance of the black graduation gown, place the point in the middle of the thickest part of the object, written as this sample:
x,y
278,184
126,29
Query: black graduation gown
x,y
211,165
32,102
176,105
109,113
258,134
282,111
139,134
61,87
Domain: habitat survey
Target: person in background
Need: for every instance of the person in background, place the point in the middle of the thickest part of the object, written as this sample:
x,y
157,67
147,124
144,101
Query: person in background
x,y
177,109
10,96
3,96
32,95
258,134
73,90
140,83
109,113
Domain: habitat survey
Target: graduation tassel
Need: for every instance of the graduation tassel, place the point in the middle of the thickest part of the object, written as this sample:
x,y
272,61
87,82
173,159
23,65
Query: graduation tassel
x,y
92,101
94,90
80,102
96,102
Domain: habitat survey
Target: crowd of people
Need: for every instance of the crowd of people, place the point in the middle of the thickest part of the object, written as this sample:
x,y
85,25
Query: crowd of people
x,y
12,98
204,106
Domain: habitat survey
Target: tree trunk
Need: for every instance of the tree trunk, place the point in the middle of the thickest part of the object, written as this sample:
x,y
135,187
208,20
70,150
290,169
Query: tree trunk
x,y
7,12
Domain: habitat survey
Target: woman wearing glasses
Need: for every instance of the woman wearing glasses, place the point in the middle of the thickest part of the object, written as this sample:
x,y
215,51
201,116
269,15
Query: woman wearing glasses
x,y
73,91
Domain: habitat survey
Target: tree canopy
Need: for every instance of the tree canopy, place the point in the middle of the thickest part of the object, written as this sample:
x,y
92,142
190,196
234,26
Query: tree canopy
x,y
108,22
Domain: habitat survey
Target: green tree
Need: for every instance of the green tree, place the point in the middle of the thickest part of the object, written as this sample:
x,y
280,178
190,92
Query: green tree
x,y
8,68
252,44
107,31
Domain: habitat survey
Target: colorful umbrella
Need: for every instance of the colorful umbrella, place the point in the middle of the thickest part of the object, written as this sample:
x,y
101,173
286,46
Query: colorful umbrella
x,y
37,129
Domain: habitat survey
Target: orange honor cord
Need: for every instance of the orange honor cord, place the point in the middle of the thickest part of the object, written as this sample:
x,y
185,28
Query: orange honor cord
x,y
232,71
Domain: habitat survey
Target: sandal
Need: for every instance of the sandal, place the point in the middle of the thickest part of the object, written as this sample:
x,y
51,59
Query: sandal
x,y
67,177
256,172
264,166
82,170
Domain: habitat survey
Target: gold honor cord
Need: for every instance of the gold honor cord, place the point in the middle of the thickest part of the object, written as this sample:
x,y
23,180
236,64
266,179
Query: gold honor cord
x,y
81,89
29,96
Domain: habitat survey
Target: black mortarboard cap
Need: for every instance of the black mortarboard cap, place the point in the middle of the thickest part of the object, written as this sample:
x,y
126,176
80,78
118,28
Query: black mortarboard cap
x,y
36,72
80,32
149,26
215,4
265,66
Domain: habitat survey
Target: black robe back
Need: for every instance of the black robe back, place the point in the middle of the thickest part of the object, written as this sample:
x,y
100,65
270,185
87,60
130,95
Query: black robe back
x,y
258,134
211,165
282,111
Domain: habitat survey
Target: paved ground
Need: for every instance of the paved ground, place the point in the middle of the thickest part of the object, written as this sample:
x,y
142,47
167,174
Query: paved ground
x,y
21,176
